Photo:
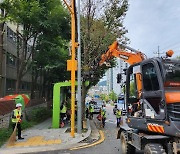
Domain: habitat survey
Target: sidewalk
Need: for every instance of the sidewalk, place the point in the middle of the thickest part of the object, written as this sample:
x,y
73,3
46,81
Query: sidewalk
x,y
42,138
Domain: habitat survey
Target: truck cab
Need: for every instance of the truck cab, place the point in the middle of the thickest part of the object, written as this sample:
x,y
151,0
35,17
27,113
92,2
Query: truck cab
x,y
149,86
153,121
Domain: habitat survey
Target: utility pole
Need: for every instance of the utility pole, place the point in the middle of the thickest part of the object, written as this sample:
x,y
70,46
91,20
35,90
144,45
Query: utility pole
x,y
158,52
72,64
79,116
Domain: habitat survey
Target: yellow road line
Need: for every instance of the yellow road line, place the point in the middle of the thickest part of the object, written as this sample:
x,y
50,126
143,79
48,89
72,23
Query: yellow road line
x,y
102,138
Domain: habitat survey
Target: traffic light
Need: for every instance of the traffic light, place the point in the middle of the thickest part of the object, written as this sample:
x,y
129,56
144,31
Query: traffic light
x,y
119,77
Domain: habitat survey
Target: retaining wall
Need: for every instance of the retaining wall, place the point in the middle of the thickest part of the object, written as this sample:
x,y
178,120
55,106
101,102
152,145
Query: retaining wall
x,y
6,108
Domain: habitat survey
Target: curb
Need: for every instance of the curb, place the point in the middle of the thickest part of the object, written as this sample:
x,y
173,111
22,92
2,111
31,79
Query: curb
x,y
100,140
89,130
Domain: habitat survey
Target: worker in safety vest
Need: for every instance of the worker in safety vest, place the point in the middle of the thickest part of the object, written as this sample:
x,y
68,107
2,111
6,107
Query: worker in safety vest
x,y
91,110
16,119
103,116
118,117
63,111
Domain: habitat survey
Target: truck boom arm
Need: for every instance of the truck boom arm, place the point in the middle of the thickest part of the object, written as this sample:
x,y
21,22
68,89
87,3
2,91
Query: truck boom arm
x,y
131,57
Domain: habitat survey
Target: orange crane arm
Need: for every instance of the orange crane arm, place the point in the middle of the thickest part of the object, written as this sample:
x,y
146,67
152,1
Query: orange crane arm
x,y
131,57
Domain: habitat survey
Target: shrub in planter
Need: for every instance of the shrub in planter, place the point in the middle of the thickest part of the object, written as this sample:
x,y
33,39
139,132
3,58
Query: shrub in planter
x,y
40,114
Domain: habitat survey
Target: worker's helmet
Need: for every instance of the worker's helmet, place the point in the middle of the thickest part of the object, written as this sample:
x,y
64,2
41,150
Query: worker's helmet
x,y
18,105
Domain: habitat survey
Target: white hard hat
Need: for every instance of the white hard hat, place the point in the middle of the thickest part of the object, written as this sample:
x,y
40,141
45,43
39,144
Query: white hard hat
x,y
18,105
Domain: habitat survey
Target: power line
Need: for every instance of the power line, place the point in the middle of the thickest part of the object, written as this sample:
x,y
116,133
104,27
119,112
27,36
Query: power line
x,y
173,45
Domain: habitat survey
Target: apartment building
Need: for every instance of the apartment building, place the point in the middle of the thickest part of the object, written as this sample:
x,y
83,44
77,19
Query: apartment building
x,y
8,72
111,74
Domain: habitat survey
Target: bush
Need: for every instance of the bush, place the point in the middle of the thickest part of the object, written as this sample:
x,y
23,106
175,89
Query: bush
x,y
27,124
4,135
40,114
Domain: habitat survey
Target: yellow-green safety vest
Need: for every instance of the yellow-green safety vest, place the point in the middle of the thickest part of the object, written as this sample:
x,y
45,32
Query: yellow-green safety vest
x,y
91,109
16,113
103,113
64,109
118,114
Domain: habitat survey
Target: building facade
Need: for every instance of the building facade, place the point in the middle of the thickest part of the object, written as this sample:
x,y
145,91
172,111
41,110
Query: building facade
x,y
9,59
111,74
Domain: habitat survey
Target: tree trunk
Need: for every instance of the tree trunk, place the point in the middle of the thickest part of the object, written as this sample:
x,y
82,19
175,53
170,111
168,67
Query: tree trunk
x,y
33,83
32,88
49,91
84,92
41,83
44,85
17,61
20,63
1,53
1,59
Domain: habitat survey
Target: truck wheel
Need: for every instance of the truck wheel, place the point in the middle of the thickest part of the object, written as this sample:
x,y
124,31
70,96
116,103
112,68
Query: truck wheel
x,y
154,149
125,146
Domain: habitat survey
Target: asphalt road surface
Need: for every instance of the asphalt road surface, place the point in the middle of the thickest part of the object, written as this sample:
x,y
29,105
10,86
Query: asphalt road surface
x,y
110,145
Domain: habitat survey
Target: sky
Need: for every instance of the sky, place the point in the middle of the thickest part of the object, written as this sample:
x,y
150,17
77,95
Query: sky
x,y
153,23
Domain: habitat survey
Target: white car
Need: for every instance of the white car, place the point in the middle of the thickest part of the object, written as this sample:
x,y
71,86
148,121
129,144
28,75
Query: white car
x,y
97,104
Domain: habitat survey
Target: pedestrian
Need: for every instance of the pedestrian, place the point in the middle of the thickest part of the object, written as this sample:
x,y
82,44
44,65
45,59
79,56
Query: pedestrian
x,y
103,116
87,112
17,119
63,113
91,110
118,117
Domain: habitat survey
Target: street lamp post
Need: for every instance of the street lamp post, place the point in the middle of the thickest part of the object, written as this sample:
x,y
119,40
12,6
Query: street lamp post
x,y
79,120
72,64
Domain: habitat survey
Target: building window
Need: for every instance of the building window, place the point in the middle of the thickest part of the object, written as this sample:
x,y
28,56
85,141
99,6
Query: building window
x,y
11,59
126,65
10,84
25,86
11,35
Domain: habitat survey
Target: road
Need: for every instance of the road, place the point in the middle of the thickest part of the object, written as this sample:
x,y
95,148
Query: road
x,y
109,146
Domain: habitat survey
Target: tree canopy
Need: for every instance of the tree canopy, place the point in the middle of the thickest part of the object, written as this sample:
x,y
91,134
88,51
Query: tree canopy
x,y
98,31
45,26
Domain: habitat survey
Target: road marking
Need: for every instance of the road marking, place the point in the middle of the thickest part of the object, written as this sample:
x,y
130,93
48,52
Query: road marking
x,y
102,138
36,141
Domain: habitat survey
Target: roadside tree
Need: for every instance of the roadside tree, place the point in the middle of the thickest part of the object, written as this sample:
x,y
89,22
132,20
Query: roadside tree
x,y
101,24
38,19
